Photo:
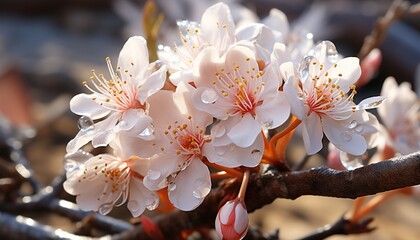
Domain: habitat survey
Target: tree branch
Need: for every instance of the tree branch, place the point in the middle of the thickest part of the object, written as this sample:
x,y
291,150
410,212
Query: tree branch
x,y
395,173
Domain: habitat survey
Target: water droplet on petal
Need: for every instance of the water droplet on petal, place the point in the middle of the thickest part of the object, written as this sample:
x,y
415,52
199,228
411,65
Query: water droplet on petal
x,y
75,161
256,154
359,128
153,174
303,69
353,124
331,51
209,96
71,165
201,188
153,205
106,208
85,123
147,132
346,136
220,131
171,186
351,162
220,150
268,124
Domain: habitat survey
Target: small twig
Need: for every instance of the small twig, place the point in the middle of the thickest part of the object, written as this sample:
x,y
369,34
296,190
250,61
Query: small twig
x,y
395,12
342,227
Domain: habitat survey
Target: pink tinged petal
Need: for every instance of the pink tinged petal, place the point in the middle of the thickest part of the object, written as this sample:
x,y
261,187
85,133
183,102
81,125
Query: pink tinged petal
x,y
370,103
134,52
152,84
139,197
240,136
232,156
202,100
183,99
162,102
347,71
241,215
161,166
102,139
240,55
139,165
218,26
292,90
277,21
129,119
104,133
82,104
181,76
81,139
274,111
312,133
344,139
192,186
207,64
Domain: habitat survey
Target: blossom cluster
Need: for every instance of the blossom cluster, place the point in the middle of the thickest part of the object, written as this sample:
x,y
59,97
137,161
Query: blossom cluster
x,y
209,102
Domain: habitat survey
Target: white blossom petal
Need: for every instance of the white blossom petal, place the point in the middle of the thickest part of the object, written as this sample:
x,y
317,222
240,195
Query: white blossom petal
x,y
245,138
82,104
192,186
273,112
134,52
312,133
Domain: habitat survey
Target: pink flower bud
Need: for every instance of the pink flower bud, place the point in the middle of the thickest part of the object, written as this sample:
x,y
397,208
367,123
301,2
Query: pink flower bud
x,y
369,66
232,220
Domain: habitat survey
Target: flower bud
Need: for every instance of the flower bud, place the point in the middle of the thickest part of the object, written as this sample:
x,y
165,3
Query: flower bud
x,y
232,220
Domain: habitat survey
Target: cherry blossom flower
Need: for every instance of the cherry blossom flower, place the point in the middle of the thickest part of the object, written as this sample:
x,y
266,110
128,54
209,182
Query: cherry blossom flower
x,y
318,97
234,89
232,220
400,116
118,104
107,180
218,29
180,137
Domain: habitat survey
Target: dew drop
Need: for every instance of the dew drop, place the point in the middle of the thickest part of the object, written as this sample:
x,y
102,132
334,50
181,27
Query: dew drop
x,y
219,131
171,186
359,128
75,161
209,96
331,51
220,150
106,208
153,174
85,123
268,124
202,188
351,162
153,204
256,154
346,136
147,132
71,165
353,124
303,69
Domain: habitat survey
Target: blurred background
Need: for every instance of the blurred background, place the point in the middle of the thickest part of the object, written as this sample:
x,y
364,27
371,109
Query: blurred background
x,y
48,47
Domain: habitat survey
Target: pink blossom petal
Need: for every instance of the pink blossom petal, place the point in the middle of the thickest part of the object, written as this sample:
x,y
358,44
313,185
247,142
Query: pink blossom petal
x,y
343,138
292,90
312,133
217,24
158,172
215,109
137,198
243,138
232,156
82,104
192,186
347,71
152,84
277,21
273,112
134,52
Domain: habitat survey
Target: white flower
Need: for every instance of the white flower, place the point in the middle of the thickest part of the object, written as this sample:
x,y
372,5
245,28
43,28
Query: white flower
x,y
106,180
217,29
180,137
401,117
235,90
118,104
317,95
